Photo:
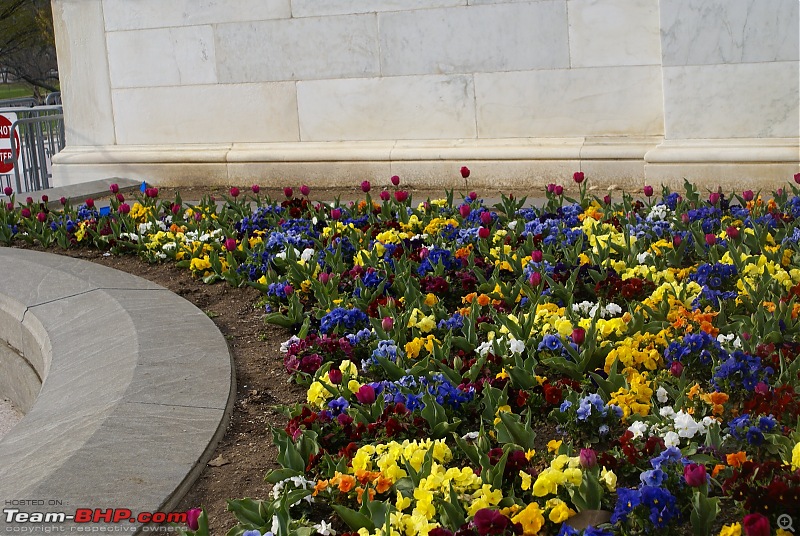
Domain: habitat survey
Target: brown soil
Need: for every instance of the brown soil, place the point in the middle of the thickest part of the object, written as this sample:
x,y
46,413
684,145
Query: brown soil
x,y
261,384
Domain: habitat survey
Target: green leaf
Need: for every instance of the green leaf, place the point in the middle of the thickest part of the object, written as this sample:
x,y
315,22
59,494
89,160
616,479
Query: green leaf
x,y
353,519
282,474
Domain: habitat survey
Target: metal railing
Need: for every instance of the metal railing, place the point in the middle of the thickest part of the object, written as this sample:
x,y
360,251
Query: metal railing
x,y
40,134
21,102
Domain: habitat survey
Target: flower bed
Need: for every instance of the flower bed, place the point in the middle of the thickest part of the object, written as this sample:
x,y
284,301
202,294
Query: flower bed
x,y
476,370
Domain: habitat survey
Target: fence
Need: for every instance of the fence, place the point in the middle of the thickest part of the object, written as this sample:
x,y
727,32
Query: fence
x,y
33,136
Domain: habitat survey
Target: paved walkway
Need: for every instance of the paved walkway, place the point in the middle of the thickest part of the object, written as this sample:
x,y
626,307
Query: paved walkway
x,y
136,389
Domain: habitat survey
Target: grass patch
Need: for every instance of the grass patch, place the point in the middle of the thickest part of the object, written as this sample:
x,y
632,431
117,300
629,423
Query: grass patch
x,y
15,91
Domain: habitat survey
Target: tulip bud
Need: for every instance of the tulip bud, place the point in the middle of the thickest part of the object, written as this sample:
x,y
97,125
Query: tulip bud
x,y
607,199
464,210
89,202
175,209
676,240
230,244
25,212
711,239
335,376
336,213
255,188
45,198
797,178
365,186
748,195
483,232
8,191
191,518
578,336
536,255
588,458
10,207
288,192
578,176
464,171
473,196
779,192
684,218
385,195
401,196
732,232
114,188
124,208
550,188
288,290
234,191
29,200
535,279
366,394
41,217
558,189
324,277
695,475
387,323
676,369
305,190
395,180
486,218
713,198
648,190
120,198
63,200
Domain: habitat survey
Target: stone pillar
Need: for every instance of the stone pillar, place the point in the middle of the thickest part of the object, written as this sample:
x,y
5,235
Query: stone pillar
x,y
731,93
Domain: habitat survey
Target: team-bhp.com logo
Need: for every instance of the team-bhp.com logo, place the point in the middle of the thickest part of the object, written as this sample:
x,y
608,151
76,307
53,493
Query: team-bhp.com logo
x,y
94,515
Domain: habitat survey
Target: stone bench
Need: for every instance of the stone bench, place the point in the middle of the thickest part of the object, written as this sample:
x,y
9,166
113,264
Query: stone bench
x,y
127,388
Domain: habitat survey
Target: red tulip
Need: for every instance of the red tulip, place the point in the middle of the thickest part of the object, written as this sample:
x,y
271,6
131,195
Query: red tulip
x,y
45,198
797,178
63,200
191,518
711,239
732,232
578,336
558,189
648,190
25,212
255,188
464,171
695,475
336,213
756,525
234,191
713,198
401,196
385,195
676,369
578,177
8,191
588,458
535,279
473,196
464,210
483,232
305,190
124,208
41,217
114,188
230,244
395,180
607,199
335,376
288,192
365,186
536,255
387,323
365,394
748,195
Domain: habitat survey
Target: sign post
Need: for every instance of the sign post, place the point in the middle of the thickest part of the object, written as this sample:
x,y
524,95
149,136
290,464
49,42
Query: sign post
x,y
6,162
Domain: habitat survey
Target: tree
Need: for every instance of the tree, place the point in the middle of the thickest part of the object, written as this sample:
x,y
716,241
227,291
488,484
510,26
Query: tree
x,y
27,45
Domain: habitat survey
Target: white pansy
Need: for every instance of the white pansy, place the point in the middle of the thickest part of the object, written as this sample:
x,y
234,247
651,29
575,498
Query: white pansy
x,y
470,436
516,346
324,528
687,426
286,344
512,225
667,412
484,348
638,429
642,257
307,254
661,395
671,439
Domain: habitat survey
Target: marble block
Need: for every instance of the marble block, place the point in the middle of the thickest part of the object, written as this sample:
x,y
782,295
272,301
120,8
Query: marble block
x,y
139,14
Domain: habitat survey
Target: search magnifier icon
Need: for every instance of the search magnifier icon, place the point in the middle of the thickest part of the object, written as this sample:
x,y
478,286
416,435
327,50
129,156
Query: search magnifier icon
x,y
785,522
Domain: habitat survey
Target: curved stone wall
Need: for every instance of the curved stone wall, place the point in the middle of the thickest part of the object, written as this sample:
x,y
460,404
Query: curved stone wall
x,y
137,386
522,91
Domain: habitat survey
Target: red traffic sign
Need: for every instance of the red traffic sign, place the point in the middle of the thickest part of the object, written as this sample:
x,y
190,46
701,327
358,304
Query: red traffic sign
x,y
6,162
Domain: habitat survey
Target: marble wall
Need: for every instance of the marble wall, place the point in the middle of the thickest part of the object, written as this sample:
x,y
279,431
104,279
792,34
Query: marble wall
x,y
525,91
